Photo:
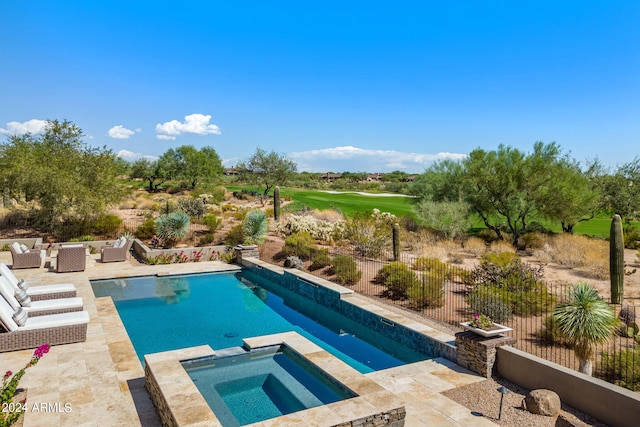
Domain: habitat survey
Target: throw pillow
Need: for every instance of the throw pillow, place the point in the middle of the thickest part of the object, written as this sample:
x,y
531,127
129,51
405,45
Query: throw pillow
x,y
16,247
23,285
23,298
24,248
20,316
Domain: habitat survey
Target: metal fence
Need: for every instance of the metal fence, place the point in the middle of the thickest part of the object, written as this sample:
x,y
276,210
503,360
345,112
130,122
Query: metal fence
x,y
448,294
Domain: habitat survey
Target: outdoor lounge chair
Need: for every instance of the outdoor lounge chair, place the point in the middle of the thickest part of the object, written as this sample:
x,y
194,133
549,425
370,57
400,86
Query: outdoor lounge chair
x,y
54,329
24,257
38,308
71,258
117,252
38,293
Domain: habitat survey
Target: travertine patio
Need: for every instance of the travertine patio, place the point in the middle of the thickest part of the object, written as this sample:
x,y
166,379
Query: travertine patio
x,y
103,381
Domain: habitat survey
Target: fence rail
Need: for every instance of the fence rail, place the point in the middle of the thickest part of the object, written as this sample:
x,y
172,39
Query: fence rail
x,y
446,292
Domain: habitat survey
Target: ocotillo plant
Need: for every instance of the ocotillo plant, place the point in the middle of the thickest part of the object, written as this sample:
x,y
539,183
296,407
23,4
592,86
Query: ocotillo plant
x,y
396,242
276,203
616,260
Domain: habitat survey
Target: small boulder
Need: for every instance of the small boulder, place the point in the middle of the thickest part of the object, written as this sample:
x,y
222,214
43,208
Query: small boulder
x,y
542,402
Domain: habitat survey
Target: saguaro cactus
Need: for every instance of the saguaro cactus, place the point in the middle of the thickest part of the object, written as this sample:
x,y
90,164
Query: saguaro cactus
x,y
396,242
276,203
616,260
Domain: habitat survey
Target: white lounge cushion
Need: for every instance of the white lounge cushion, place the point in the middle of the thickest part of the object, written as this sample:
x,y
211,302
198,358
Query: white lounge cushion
x,y
6,316
55,320
16,247
7,291
35,290
55,304
75,245
50,289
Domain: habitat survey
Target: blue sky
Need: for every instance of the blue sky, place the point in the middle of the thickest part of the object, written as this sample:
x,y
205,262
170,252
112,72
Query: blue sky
x,y
335,85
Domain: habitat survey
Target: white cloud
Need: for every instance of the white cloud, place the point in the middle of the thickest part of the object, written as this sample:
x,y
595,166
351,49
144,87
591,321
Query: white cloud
x,y
132,157
33,126
356,159
193,123
121,132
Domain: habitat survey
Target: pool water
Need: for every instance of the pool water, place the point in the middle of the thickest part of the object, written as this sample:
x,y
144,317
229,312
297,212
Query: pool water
x,y
220,309
250,387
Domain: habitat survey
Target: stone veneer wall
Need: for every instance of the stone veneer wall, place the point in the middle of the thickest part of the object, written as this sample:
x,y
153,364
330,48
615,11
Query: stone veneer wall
x,y
332,296
392,418
151,384
478,353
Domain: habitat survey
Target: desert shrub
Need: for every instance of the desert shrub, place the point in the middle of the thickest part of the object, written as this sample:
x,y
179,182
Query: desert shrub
x,y
319,229
229,256
475,245
293,262
172,227
228,208
449,218
235,236
574,251
321,259
218,194
195,208
632,237
501,246
434,251
628,331
345,270
490,301
107,225
502,259
487,235
428,291
397,278
300,244
621,368
533,240
147,229
329,215
212,222
255,227
369,234
206,239
240,214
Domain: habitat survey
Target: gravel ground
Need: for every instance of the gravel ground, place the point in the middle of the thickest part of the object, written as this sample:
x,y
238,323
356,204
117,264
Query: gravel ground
x,y
483,399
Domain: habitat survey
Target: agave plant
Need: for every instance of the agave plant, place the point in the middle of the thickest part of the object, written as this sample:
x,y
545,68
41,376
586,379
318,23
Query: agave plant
x,y
172,227
255,227
585,320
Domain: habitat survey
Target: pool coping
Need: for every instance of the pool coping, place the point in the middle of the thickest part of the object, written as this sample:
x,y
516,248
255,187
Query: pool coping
x,y
180,403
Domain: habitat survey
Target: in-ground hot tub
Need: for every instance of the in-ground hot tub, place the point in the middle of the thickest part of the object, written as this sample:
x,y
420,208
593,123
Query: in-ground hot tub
x,y
283,379
244,387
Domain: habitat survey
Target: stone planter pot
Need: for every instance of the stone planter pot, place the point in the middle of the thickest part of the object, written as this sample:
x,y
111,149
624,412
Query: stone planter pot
x,y
496,330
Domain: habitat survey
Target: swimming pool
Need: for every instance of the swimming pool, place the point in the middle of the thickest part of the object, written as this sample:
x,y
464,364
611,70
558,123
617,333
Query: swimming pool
x,y
220,309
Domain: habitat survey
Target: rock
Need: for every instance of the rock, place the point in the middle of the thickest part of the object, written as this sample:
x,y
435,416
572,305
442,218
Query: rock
x,y
542,402
566,419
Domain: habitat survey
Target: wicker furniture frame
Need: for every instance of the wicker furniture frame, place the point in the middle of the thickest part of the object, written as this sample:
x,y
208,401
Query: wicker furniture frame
x,y
21,340
31,259
55,295
71,259
111,254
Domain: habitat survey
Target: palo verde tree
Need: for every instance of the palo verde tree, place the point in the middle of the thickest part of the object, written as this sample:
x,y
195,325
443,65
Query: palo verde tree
x,y
268,169
621,190
193,165
152,171
62,175
507,188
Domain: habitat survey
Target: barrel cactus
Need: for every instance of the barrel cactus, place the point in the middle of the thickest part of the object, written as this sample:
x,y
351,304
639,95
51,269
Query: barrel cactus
x,y
616,260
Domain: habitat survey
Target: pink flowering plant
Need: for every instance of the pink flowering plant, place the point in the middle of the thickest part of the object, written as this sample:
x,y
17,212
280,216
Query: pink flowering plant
x,y
481,321
10,383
